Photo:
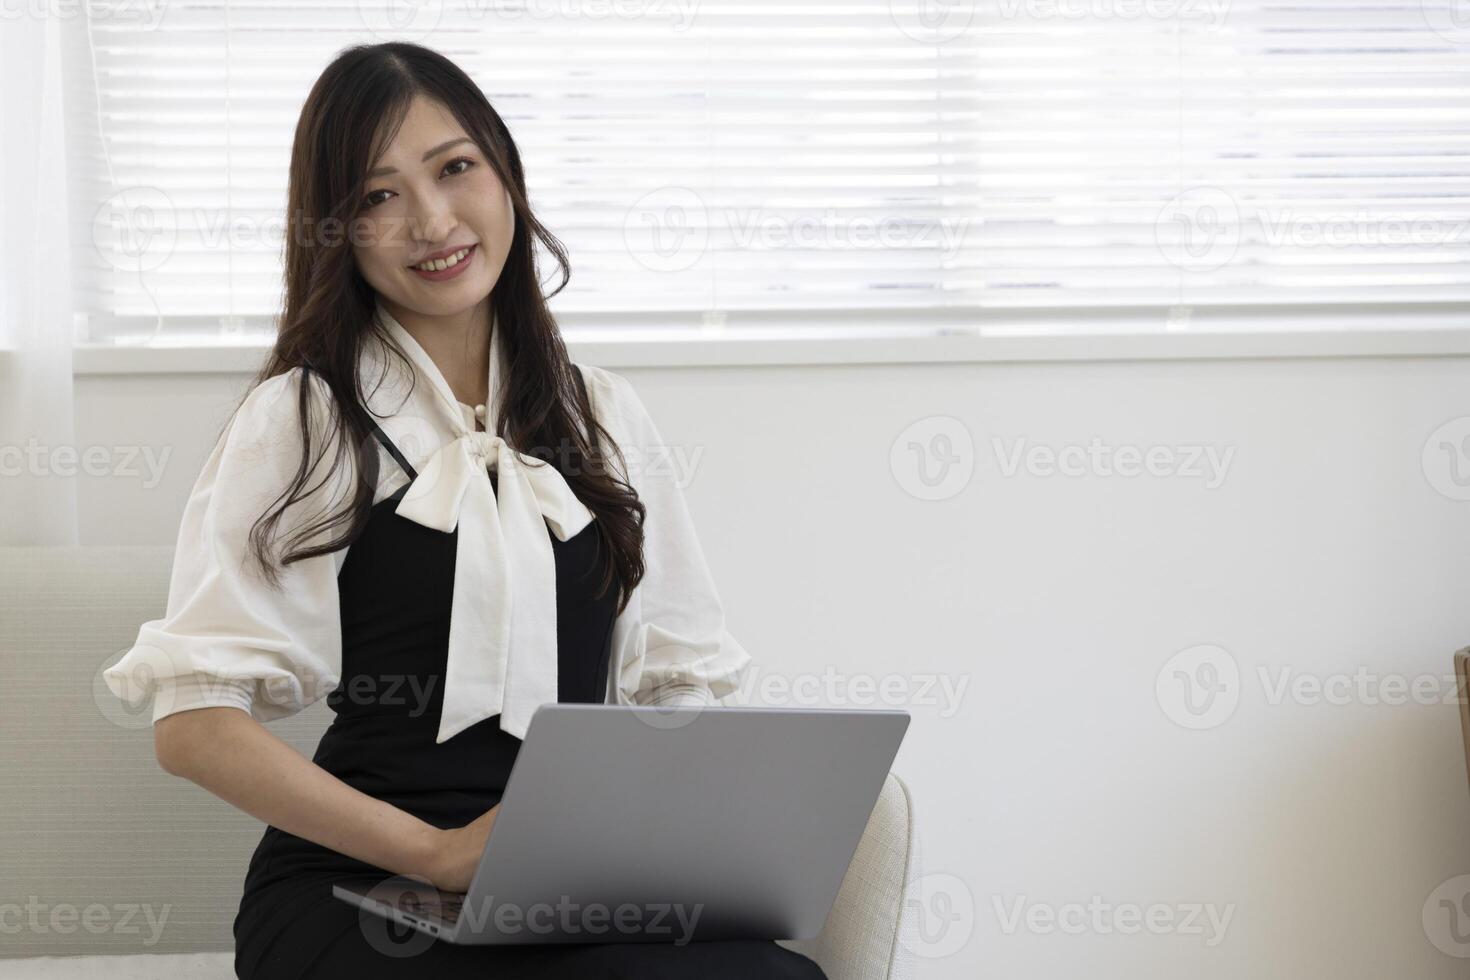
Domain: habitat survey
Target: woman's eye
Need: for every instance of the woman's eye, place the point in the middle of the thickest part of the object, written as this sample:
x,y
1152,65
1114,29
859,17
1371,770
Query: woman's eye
x,y
368,202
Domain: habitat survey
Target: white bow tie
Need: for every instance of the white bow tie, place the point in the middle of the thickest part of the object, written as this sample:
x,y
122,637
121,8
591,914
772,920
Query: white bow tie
x,y
502,634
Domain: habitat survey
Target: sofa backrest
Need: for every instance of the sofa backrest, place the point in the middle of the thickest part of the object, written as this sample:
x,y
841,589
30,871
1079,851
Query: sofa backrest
x,y
101,851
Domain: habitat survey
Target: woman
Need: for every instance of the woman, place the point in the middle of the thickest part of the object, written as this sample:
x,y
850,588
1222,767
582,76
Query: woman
x,y
419,402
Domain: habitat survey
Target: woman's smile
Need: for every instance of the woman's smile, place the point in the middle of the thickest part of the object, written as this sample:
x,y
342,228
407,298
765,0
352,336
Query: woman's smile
x,y
447,267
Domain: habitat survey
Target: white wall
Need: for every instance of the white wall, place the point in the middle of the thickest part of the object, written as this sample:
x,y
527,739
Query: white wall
x,y
1321,828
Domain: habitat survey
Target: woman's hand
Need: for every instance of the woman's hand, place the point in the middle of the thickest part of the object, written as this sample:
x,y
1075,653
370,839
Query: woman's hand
x,y
456,853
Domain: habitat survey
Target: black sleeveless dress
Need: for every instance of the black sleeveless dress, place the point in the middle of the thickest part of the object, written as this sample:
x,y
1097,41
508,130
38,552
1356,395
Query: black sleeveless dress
x,y
395,593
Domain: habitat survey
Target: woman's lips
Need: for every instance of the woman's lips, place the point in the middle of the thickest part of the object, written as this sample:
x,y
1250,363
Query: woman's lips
x,y
450,272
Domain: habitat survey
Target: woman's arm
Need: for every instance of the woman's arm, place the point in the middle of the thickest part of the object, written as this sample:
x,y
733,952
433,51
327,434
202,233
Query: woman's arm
x,y
231,652
233,756
670,641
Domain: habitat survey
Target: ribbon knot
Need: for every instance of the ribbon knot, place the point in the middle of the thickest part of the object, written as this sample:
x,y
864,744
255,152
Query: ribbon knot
x,y
502,635
485,445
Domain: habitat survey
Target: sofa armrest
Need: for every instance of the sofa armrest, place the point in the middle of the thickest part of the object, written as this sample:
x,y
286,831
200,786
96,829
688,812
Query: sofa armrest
x,y
872,930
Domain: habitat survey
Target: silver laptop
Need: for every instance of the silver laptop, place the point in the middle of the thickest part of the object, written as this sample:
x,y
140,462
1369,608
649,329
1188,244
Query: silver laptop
x,y
624,823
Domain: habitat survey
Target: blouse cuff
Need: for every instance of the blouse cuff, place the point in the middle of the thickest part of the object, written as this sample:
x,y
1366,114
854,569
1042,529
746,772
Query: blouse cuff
x,y
186,692
678,695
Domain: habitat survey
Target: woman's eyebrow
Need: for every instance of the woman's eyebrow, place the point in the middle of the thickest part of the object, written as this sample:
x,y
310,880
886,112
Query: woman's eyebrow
x,y
384,171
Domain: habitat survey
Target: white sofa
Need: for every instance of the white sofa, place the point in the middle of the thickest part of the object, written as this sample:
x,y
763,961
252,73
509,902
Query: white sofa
x,y
112,868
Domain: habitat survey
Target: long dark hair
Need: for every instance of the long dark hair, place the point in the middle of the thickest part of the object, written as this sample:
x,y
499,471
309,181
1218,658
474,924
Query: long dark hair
x,y
351,115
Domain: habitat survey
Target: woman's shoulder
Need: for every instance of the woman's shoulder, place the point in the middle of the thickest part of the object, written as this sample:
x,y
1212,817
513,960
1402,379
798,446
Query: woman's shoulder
x,y
612,396
262,447
272,390
600,378
272,408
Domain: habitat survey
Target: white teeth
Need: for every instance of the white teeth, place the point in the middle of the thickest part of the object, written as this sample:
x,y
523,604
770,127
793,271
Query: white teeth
x,y
439,265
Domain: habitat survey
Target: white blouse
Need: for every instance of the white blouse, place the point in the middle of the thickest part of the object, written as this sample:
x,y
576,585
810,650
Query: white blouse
x,y
229,638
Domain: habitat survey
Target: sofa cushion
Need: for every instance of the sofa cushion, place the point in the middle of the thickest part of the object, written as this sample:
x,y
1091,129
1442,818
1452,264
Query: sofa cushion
x,y
104,851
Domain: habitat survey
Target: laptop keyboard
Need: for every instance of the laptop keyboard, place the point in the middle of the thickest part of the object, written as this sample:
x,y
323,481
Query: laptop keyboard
x,y
447,908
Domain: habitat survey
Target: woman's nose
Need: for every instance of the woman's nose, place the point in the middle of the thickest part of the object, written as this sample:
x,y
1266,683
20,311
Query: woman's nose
x,y
436,218
436,231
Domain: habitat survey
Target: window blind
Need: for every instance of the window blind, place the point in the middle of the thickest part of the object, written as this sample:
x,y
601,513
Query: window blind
x,y
734,157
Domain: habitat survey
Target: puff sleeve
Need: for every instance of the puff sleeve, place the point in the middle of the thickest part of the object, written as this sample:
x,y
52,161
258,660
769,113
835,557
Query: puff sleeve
x,y
670,640
229,637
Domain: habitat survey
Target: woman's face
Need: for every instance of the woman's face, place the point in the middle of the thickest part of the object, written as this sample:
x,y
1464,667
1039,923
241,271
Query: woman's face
x,y
433,190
